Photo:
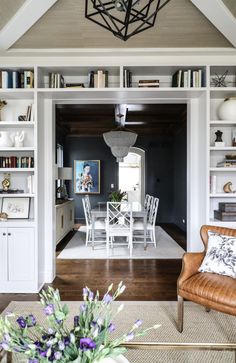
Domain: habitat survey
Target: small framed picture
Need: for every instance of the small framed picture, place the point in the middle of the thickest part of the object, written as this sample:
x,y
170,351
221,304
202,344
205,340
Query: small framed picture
x,y
87,176
16,208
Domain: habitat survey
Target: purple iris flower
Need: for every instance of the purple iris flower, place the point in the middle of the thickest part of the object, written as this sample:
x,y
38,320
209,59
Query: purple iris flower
x,y
138,323
21,321
61,345
34,360
43,354
76,320
51,331
49,310
85,292
30,320
83,307
91,295
4,345
107,298
87,344
66,341
130,337
57,355
111,327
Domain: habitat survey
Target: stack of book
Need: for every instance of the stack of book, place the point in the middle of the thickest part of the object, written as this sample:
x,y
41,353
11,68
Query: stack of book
x,y
226,212
16,79
150,83
127,78
16,162
56,80
98,79
74,85
227,163
188,78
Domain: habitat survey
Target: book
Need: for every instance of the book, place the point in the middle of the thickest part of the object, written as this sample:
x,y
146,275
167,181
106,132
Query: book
x,y
227,207
91,79
74,85
225,216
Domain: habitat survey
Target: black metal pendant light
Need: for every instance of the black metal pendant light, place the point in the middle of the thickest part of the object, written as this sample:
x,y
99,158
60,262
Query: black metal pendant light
x,y
124,18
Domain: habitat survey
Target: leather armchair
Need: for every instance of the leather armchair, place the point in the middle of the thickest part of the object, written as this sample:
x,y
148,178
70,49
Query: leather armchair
x,y
211,290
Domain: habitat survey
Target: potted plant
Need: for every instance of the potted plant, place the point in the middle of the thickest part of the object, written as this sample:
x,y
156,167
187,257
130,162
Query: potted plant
x,y
88,341
117,196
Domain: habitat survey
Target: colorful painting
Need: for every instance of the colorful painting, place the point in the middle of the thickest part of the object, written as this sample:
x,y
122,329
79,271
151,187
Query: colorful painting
x,y
87,176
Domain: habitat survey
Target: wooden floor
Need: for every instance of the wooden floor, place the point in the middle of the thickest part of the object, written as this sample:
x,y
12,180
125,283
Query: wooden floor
x,y
145,279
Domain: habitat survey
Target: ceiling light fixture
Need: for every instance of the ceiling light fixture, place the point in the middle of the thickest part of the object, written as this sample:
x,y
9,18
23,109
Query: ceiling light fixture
x,y
120,140
124,18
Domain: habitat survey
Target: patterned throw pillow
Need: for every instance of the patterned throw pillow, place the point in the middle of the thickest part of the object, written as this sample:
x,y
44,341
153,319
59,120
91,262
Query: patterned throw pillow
x,y
220,256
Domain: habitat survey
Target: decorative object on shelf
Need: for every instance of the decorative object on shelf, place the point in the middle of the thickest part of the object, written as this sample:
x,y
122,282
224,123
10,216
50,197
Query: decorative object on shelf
x,y
218,140
230,156
3,217
87,176
227,110
117,196
22,118
227,188
64,174
124,18
16,208
229,161
2,105
213,184
234,137
6,139
88,341
19,139
219,80
6,183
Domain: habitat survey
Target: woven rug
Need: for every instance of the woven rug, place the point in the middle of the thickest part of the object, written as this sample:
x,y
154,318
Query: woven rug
x,y
199,327
166,248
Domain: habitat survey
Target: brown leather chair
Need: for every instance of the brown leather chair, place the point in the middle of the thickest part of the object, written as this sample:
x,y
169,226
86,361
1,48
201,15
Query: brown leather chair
x,y
211,290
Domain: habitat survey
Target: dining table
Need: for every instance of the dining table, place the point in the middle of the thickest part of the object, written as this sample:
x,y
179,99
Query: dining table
x,y
138,211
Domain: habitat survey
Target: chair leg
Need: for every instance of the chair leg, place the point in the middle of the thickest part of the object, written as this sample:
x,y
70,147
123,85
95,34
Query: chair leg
x,y
180,313
107,243
154,237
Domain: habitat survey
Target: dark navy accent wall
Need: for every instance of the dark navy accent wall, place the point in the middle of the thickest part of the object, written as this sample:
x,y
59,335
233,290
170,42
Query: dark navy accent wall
x,y
165,171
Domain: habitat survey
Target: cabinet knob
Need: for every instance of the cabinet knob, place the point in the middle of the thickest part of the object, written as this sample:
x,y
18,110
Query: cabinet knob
x,y
4,234
9,234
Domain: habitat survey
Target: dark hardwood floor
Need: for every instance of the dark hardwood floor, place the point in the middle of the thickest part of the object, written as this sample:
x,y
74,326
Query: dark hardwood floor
x,y
145,279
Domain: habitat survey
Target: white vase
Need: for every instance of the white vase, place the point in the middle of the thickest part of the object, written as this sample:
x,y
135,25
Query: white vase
x,y
6,139
227,110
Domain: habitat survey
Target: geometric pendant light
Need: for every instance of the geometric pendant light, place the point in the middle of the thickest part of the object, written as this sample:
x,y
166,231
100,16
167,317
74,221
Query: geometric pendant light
x,y
124,18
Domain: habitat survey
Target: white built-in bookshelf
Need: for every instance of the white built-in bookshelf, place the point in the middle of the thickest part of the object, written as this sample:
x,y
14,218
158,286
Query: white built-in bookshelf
x,y
116,92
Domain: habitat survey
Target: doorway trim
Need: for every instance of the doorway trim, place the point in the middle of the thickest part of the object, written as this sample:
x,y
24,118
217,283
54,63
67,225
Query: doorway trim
x,y
139,151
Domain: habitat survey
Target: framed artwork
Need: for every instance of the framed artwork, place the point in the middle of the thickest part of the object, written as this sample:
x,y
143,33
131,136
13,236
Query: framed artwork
x,y
16,208
87,176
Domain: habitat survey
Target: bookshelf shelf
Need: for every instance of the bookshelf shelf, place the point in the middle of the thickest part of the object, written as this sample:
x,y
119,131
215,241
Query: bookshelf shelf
x,y
224,148
223,195
17,170
222,123
227,170
16,195
17,149
21,124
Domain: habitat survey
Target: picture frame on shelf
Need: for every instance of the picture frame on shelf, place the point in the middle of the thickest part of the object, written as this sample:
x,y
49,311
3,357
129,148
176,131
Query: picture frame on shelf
x,y
16,208
87,176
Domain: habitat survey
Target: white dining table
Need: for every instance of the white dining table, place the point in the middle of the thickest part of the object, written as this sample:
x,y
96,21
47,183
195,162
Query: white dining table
x,y
138,211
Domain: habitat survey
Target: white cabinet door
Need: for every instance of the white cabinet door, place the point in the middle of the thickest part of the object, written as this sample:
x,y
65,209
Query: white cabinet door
x,y
21,254
3,254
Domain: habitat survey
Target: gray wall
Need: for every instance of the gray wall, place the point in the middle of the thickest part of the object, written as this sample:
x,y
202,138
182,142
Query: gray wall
x,y
165,172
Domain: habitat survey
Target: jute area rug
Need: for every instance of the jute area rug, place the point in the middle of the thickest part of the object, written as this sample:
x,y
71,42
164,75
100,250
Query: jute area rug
x,y
199,327
166,248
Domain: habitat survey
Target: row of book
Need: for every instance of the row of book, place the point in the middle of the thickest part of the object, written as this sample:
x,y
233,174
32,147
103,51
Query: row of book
x,y
188,78
98,79
127,79
227,163
56,80
149,83
16,162
16,79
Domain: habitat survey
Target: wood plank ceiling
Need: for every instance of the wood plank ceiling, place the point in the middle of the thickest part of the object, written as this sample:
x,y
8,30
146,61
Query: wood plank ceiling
x,y
179,24
94,120
8,8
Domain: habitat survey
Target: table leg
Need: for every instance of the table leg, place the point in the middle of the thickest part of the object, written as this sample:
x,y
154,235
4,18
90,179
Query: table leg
x,y
145,231
93,231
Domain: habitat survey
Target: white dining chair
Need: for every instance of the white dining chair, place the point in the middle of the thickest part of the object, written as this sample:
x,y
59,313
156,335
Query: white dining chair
x,y
99,225
119,223
138,226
